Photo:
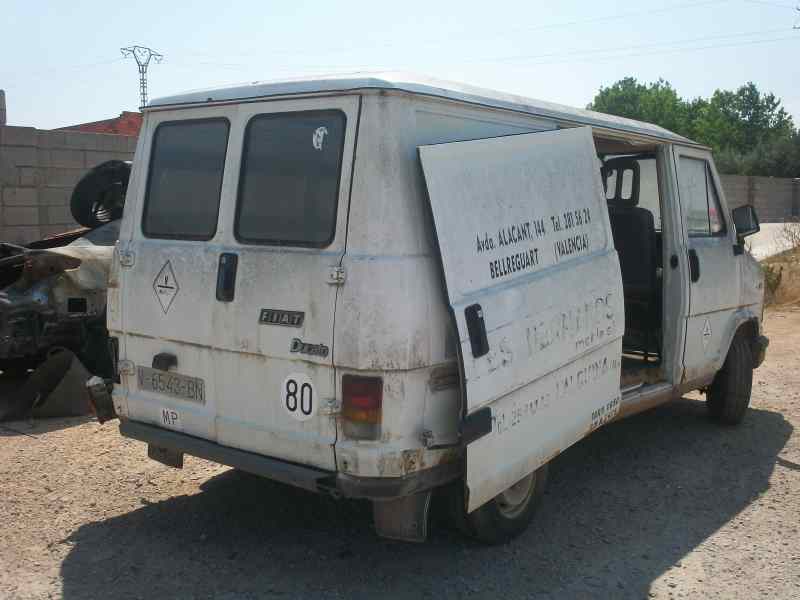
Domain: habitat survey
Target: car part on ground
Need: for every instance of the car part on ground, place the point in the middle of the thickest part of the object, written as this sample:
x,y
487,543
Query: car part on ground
x,y
55,389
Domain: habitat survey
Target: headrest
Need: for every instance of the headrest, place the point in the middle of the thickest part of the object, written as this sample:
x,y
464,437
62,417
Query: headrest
x,y
625,181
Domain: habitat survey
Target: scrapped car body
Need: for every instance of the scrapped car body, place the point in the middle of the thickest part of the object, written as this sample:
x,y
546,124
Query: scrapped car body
x,y
53,291
55,297
376,287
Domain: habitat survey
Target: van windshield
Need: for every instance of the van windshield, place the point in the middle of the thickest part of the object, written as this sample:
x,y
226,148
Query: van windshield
x,y
289,182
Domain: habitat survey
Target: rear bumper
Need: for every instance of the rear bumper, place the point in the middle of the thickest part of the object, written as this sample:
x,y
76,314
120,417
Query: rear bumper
x,y
308,478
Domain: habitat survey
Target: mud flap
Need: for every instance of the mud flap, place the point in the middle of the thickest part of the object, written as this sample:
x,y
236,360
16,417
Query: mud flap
x,y
102,404
404,518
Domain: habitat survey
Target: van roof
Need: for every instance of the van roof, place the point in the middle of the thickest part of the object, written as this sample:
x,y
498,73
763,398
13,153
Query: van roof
x,y
415,84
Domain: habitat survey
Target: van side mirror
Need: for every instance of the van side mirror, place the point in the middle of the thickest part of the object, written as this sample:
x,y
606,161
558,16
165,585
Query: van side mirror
x,y
745,220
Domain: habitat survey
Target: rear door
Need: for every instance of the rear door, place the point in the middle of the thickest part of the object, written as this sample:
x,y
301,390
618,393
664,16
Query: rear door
x,y
168,278
286,229
245,305
534,285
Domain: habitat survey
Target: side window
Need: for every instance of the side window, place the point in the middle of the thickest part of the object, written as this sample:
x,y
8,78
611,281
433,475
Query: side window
x,y
699,198
289,182
715,220
185,179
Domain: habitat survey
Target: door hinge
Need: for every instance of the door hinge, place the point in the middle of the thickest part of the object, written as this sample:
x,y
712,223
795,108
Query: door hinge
x,y
127,258
336,276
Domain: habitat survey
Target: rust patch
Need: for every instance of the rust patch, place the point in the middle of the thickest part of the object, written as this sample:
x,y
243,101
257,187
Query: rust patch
x,y
412,460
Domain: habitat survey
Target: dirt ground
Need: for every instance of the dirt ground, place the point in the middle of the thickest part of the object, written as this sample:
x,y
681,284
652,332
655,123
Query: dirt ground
x,y
664,505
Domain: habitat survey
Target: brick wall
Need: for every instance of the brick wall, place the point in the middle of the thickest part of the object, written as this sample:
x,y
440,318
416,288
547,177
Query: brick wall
x,y
39,169
776,199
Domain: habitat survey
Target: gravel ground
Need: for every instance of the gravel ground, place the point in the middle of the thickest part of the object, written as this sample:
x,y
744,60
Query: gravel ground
x,y
663,505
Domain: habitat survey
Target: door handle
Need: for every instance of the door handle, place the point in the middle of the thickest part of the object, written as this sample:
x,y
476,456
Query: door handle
x,y
226,276
476,328
694,265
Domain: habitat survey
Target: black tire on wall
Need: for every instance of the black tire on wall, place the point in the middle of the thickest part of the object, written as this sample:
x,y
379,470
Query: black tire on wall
x,y
729,394
504,517
99,196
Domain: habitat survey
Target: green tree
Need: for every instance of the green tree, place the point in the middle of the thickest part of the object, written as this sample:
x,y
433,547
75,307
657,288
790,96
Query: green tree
x,y
656,103
742,120
749,131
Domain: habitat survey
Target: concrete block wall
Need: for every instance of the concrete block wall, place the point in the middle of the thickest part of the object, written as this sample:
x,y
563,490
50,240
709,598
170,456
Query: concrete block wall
x,y
776,199
39,169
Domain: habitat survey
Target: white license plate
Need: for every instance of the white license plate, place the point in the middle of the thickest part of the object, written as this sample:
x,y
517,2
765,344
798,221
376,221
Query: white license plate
x,y
172,384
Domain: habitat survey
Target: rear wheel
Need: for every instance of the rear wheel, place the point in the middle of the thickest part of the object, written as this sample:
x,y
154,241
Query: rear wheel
x,y
729,394
505,516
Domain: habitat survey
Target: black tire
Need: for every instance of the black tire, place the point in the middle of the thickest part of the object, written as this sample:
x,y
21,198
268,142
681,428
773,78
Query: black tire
x,y
99,196
729,394
497,522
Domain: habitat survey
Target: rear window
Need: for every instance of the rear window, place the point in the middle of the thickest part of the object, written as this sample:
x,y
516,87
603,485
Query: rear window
x,y
289,184
183,187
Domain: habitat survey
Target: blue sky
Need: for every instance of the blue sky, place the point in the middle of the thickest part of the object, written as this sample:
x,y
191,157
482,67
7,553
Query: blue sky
x,y
62,65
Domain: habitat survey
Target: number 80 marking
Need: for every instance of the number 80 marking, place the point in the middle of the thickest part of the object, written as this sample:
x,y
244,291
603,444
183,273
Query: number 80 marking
x,y
298,397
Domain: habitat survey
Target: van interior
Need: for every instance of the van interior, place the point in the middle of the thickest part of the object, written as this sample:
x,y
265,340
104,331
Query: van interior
x,y
630,179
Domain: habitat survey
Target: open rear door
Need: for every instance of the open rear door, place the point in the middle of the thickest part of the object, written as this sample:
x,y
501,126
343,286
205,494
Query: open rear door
x,y
534,285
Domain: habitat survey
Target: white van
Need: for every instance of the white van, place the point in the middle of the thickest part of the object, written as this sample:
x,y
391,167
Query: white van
x,y
374,287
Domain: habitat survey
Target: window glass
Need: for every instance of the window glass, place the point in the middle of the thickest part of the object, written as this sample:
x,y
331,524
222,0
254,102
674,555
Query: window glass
x,y
626,191
611,185
185,179
289,186
648,186
716,222
648,189
699,199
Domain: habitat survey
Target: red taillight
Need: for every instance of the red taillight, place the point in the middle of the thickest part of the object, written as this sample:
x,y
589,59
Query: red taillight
x,y
362,398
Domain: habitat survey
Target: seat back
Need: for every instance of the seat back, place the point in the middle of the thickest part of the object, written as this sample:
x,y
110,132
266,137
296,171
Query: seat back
x,y
634,234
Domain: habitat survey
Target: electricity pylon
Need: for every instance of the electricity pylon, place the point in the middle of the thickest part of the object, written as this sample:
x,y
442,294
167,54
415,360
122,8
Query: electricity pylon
x,y
142,55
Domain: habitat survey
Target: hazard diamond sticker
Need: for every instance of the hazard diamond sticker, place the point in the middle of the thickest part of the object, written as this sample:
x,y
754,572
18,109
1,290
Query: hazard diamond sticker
x,y
166,286
706,333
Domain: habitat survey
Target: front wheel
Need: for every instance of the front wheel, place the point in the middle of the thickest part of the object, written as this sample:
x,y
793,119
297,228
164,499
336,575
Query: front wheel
x,y
506,515
729,394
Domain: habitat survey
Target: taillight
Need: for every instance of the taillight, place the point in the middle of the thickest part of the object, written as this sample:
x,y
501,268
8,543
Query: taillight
x,y
362,398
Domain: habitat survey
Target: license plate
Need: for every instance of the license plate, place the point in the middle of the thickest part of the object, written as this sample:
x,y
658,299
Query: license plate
x,y
172,384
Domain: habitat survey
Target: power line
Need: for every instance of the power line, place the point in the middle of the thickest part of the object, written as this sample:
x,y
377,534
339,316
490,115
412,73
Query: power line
x,y
523,57
563,57
446,38
668,51
768,3
142,55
